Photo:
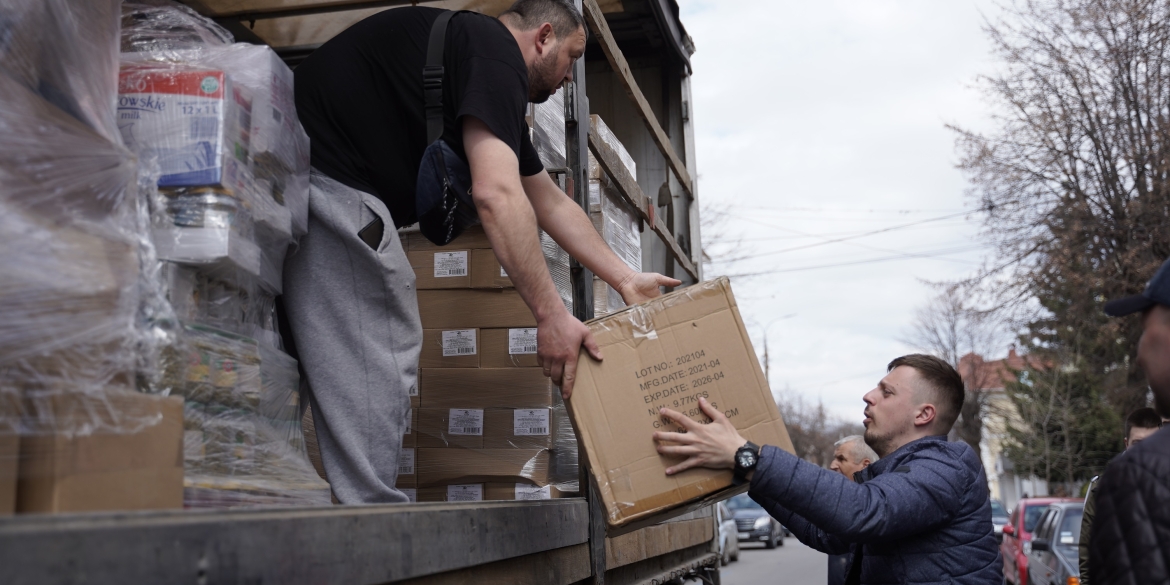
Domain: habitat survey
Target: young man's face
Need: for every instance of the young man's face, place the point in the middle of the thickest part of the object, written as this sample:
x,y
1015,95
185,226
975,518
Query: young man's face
x,y
1154,355
556,66
1137,435
890,409
845,460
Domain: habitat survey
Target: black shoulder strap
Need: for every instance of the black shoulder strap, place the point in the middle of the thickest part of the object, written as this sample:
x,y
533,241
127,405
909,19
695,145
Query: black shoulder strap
x,y
433,76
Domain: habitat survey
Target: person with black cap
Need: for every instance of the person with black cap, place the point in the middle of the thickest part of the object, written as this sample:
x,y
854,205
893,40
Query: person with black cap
x,y
1131,533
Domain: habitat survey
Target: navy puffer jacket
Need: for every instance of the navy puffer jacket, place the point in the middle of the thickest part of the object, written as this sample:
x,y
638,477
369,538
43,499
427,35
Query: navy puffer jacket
x,y
920,516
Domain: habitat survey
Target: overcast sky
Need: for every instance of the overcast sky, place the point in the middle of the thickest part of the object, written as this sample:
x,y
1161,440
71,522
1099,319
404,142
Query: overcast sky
x,y
823,120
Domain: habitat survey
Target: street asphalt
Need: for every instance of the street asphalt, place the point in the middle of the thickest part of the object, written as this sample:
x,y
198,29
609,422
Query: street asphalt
x,y
791,564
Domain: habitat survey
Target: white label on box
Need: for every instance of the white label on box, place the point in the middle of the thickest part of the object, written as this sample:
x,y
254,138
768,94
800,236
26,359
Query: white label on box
x,y
409,419
406,462
411,494
532,492
503,273
465,493
458,342
530,421
465,421
521,341
449,264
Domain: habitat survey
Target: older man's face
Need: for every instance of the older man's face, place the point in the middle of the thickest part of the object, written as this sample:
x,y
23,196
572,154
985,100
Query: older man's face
x,y
846,462
1154,355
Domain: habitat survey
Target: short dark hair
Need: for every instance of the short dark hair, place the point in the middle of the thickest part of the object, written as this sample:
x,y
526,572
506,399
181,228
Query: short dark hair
x,y
1142,418
943,379
561,14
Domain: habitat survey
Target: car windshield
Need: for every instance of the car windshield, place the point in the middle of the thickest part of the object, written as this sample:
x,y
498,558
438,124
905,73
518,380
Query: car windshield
x,y
1032,515
742,502
997,508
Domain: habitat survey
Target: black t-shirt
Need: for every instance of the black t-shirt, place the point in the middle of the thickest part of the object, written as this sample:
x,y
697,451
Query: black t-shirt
x,y
360,98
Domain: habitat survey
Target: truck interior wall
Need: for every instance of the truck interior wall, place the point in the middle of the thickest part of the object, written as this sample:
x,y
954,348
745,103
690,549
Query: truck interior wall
x,y
663,91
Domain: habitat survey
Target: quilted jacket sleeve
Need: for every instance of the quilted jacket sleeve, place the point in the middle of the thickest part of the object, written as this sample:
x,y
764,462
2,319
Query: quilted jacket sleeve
x,y
914,498
803,530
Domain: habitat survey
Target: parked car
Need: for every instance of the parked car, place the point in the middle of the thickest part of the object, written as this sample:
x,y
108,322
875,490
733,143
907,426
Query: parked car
x,y
728,534
1017,536
999,517
753,522
1053,560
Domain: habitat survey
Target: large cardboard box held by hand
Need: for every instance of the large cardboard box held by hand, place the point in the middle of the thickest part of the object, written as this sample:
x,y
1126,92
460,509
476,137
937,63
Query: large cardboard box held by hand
x,y
667,352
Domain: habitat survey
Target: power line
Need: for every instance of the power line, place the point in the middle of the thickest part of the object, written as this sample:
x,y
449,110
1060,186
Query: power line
x,y
846,238
936,255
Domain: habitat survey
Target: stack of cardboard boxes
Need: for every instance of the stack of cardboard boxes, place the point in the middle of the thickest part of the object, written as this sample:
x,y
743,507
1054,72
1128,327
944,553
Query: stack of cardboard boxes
x,y
618,224
486,424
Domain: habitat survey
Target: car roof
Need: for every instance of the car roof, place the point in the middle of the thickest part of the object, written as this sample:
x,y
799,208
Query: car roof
x,y
1028,502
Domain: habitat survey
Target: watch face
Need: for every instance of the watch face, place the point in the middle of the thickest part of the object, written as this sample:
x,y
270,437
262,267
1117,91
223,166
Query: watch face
x,y
745,458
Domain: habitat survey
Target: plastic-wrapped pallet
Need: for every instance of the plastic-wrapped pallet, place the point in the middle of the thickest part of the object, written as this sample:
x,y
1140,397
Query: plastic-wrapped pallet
x,y
242,440
77,333
548,130
229,197
618,224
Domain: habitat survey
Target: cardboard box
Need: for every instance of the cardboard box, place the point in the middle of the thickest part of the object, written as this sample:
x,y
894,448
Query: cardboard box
x,y
441,269
514,347
485,388
469,492
520,491
462,466
485,428
140,470
9,452
667,352
450,348
473,308
486,271
473,238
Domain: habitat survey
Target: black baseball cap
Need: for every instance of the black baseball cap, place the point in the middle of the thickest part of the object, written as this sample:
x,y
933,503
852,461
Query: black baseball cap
x,y
1157,293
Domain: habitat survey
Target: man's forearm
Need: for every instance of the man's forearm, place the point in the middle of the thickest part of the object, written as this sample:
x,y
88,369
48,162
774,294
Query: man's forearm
x,y
511,228
570,226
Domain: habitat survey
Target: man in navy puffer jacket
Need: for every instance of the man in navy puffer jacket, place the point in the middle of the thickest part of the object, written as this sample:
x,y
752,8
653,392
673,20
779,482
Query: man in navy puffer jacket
x,y
920,515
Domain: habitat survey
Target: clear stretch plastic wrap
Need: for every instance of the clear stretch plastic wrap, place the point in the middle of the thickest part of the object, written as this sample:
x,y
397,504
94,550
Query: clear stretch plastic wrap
x,y
557,260
169,31
80,329
68,217
548,130
242,442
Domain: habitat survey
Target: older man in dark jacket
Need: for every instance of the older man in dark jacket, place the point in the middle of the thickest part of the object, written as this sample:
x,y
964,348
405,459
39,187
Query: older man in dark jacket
x,y
1130,541
920,515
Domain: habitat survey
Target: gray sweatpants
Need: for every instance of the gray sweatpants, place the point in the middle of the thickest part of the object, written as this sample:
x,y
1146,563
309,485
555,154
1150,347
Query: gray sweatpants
x,y
353,313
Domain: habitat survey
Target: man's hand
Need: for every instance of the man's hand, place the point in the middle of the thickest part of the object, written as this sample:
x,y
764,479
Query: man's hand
x,y
643,286
710,445
558,343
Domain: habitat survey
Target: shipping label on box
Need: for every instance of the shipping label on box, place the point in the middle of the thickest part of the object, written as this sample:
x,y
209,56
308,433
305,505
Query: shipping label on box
x,y
465,493
465,421
459,342
451,264
410,493
532,492
530,421
667,352
406,462
508,348
450,348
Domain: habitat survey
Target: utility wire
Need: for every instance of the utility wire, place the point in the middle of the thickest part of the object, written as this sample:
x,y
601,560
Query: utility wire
x,y
937,255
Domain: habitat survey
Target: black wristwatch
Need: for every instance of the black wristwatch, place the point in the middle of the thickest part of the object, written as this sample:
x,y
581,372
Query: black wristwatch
x,y
746,458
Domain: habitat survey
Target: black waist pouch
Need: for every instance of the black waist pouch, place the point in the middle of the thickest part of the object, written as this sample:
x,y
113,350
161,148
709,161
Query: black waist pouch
x,y
442,201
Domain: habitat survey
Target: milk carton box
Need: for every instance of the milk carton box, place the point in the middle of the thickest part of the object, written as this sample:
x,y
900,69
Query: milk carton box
x,y
195,122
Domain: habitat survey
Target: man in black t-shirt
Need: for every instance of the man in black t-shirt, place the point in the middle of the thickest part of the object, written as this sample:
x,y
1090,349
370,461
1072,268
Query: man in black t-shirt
x,y
349,298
